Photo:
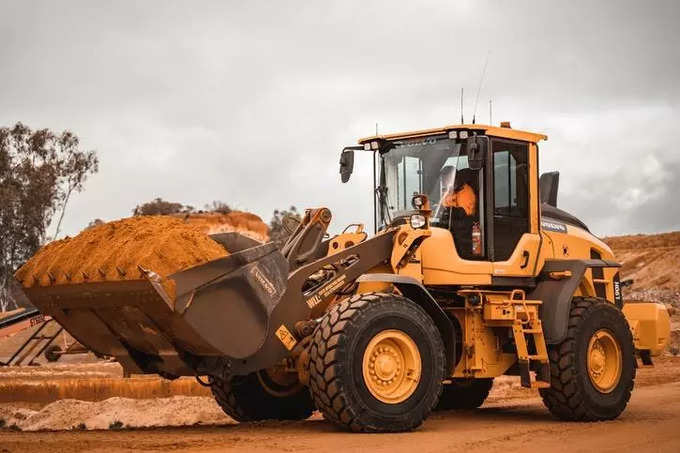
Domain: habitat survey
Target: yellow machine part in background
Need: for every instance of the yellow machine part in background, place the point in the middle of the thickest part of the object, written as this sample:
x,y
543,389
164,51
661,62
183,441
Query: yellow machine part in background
x,y
650,325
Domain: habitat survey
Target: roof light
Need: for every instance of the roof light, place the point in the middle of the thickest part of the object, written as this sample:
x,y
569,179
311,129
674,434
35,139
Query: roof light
x,y
374,145
367,146
453,135
463,134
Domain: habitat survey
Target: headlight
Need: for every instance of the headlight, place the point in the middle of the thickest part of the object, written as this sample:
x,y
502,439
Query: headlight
x,y
375,145
418,221
367,146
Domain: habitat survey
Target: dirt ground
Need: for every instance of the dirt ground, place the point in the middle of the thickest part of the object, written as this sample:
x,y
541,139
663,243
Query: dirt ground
x,y
512,418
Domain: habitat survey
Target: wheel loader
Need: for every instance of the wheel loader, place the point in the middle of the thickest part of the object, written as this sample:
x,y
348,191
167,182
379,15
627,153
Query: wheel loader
x,y
472,273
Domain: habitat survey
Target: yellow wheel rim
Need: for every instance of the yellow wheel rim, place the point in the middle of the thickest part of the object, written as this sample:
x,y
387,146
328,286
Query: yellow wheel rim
x,y
391,366
604,361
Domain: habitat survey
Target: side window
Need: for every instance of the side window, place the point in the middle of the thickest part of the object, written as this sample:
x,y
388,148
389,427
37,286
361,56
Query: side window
x,y
510,196
511,192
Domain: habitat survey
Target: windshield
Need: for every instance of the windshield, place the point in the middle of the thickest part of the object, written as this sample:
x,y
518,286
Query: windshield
x,y
422,165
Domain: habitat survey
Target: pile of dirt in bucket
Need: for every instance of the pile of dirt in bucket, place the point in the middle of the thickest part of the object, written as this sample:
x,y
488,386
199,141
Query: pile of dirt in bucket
x,y
116,250
241,222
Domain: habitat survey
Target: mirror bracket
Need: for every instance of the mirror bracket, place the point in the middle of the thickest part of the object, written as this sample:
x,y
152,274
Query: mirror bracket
x,y
476,151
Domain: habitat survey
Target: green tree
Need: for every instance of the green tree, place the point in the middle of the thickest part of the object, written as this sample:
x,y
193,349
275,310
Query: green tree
x,y
158,206
39,171
277,229
218,206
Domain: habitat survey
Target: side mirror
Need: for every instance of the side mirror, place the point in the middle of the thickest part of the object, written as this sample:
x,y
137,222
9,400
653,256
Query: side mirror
x,y
476,151
547,186
346,164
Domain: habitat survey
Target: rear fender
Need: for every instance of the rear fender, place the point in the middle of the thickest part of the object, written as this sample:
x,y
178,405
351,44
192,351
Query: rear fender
x,y
416,292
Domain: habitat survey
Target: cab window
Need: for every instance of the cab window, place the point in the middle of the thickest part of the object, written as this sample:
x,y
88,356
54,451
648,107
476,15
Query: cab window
x,y
511,196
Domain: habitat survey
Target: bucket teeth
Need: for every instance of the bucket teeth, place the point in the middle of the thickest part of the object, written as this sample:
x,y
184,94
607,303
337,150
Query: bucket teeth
x,y
68,276
120,271
101,272
51,277
85,276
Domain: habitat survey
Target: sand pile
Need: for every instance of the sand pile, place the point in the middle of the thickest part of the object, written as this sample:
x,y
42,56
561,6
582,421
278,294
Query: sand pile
x,y
113,251
73,414
650,260
242,222
7,314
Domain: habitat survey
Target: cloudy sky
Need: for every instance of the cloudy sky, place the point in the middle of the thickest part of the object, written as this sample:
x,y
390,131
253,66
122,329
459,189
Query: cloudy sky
x,y
251,102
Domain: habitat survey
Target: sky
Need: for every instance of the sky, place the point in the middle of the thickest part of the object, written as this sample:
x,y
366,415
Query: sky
x,y
251,102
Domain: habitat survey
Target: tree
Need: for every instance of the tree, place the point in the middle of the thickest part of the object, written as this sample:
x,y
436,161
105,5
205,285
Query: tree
x,y
159,206
277,230
94,223
218,206
39,171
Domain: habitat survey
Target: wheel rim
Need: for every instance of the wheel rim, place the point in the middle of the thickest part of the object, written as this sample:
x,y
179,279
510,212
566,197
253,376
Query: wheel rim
x,y
392,366
604,361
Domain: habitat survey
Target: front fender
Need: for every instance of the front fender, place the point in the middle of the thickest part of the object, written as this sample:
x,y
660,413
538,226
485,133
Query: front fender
x,y
416,292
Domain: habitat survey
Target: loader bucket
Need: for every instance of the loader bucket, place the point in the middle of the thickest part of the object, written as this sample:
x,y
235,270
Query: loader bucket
x,y
221,308
229,316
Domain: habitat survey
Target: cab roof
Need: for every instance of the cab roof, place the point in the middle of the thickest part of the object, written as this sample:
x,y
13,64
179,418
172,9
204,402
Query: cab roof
x,y
495,131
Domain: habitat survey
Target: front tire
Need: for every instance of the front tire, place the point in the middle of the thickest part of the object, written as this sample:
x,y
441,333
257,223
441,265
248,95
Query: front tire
x,y
593,369
259,397
376,364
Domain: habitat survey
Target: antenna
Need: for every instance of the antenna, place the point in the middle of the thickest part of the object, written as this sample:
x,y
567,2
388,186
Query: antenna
x,y
376,129
479,88
462,121
490,112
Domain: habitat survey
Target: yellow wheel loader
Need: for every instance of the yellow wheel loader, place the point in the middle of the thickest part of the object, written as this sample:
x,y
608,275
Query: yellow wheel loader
x,y
472,273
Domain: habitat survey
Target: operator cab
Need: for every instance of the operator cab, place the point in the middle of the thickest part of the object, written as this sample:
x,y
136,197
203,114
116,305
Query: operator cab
x,y
477,178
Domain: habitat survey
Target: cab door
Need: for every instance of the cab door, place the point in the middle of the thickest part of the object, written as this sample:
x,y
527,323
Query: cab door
x,y
513,210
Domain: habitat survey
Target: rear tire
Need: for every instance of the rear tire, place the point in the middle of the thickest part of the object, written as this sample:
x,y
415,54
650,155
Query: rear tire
x,y
464,394
592,371
246,399
376,364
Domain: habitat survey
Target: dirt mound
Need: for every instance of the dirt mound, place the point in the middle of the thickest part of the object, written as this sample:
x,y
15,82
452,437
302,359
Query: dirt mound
x,y
7,314
650,260
73,414
242,222
644,241
113,251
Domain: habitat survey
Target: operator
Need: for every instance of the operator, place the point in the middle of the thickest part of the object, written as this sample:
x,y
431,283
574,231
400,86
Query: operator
x,y
463,219
463,195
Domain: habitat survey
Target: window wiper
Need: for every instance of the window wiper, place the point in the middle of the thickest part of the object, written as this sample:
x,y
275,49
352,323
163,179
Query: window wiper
x,y
381,192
